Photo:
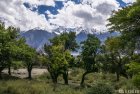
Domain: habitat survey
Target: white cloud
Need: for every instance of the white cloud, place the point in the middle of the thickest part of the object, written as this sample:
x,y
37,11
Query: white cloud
x,y
129,1
41,2
13,12
89,14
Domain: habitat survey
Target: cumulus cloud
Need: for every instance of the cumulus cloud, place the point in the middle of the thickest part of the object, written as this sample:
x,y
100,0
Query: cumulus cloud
x,y
18,15
88,14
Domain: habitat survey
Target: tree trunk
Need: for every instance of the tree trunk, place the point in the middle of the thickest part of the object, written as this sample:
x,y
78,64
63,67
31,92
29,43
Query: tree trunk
x,y
83,78
30,72
54,79
0,74
65,77
9,70
118,76
55,84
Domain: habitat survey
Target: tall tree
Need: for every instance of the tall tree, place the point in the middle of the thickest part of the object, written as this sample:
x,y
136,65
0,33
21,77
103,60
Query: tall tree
x,y
90,50
126,21
116,51
57,62
68,40
8,38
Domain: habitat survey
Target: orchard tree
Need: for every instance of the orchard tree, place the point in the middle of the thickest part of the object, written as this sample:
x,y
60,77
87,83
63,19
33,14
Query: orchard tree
x,y
8,38
90,50
118,55
68,40
28,55
57,63
126,21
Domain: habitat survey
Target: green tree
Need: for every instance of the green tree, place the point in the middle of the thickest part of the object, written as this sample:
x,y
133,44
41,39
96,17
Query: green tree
x,y
134,69
126,21
90,50
68,40
118,55
57,63
28,55
8,38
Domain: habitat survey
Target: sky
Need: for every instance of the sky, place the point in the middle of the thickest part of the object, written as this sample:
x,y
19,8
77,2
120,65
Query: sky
x,y
51,14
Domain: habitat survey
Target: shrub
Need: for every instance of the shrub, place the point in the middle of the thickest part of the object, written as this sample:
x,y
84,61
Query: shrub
x,y
101,88
136,81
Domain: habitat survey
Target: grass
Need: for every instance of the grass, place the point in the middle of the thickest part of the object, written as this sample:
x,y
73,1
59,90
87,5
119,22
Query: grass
x,y
43,84
23,86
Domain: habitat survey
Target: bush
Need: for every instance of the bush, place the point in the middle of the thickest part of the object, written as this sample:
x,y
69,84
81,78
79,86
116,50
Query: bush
x,y
136,81
101,88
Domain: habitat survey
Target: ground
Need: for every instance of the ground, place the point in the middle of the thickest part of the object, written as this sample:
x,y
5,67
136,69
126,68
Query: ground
x,y
22,73
42,83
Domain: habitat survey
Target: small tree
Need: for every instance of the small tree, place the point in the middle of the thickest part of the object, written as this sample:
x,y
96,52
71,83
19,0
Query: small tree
x,y
28,55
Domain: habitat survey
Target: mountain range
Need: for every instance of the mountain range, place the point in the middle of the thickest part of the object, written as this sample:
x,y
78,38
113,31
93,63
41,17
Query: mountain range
x,y
37,38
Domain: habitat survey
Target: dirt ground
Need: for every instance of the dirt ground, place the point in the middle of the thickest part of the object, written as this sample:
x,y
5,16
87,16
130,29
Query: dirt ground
x,y
22,73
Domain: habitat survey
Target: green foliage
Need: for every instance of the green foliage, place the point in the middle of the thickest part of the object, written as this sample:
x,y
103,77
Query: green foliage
x,y
134,68
136,80
90,49
57,58
13,48
68,40
17,64
101,88
8,40
126,21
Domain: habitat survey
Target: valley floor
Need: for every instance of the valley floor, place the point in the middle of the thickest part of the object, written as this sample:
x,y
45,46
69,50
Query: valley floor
x,y
42,83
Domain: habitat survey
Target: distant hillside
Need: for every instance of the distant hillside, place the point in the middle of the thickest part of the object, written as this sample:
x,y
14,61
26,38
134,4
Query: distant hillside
x,y
37,38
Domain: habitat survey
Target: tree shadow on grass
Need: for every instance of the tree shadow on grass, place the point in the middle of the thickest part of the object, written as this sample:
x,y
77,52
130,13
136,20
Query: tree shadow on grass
x,y
8,77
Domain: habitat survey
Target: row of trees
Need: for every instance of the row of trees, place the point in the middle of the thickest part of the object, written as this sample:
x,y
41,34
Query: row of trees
x,y
14,49
119,55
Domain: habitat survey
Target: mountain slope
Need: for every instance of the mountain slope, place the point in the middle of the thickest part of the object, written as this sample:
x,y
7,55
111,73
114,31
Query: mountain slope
x,y
37,38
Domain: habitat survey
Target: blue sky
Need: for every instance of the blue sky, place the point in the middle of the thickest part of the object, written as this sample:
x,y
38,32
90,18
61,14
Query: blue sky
x,y
59,5
50,14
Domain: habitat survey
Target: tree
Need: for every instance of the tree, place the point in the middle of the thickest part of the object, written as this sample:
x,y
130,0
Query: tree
x,y
57,62
126,21
118,54
68,40
8,38
90,49
28,55
134,69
